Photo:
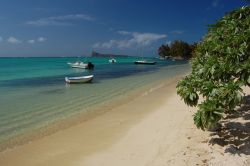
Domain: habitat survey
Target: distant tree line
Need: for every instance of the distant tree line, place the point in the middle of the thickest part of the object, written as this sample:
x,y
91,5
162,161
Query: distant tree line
x,y
177,50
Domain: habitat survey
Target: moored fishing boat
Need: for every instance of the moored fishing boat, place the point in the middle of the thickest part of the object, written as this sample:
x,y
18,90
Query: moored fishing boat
x,y
81,79
144,62
81,65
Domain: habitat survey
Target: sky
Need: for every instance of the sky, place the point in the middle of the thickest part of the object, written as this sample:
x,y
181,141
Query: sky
x,y
129,27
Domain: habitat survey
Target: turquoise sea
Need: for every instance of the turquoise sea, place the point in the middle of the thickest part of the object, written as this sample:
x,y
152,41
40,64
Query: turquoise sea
x,y
33,93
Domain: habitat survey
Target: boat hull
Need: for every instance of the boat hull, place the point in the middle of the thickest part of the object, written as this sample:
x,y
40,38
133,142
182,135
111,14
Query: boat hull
x,y
79,66
82,65
77,80
144,63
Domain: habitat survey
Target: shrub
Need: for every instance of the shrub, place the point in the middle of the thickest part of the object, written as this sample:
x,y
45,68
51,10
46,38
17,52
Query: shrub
x,y
220,68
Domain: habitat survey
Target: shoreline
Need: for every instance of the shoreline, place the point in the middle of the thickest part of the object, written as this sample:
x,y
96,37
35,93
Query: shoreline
x,y
117,112
86,111
155,128
74,120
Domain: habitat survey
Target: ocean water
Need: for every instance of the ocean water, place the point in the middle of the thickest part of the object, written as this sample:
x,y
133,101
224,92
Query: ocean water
x,y
33,93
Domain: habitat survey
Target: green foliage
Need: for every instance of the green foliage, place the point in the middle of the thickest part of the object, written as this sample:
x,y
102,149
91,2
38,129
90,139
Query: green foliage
x,y
188,92
178,49
220,68
193,47
209,113
164,51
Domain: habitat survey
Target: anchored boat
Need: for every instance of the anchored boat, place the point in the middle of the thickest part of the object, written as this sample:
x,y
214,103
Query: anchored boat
x,y
81,79
143,62
81,65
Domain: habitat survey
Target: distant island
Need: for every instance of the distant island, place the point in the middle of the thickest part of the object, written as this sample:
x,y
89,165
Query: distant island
x,y
96,54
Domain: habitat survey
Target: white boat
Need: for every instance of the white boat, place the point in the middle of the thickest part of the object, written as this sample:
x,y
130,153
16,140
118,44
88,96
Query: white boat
x,y
144,62
79,64
82,79
113,60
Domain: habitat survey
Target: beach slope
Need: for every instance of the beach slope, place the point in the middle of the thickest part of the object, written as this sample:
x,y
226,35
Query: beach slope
x,y
155,128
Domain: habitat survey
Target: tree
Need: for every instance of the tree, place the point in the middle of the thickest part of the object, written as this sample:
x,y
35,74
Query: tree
x,y
164,51
219,70
180,49
193,47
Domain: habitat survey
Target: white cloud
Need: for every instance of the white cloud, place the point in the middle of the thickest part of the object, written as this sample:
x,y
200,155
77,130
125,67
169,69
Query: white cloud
x,y
134,39
60,20
146,38
168,42
41,39
31,41
96,45
13,40
108,44
1,39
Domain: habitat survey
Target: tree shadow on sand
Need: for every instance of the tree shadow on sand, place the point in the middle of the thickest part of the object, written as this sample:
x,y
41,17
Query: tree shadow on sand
x,y
234,131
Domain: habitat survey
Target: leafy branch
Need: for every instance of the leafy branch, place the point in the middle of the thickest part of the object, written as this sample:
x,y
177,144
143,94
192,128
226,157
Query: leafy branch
x,y
219,70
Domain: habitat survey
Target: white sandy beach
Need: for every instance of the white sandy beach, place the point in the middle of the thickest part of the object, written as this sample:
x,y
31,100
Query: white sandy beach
x,y
154,129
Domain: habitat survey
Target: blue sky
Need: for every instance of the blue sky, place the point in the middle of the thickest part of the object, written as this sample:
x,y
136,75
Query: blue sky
x,y
76,27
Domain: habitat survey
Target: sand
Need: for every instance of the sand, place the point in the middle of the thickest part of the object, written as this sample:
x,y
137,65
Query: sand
x,y
154,129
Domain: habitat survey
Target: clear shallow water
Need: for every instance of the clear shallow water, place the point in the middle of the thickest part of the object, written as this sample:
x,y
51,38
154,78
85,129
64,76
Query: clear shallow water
x,y
34,94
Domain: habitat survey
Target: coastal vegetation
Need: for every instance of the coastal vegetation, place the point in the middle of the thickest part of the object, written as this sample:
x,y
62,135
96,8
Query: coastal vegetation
x,y
178,49
220,69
